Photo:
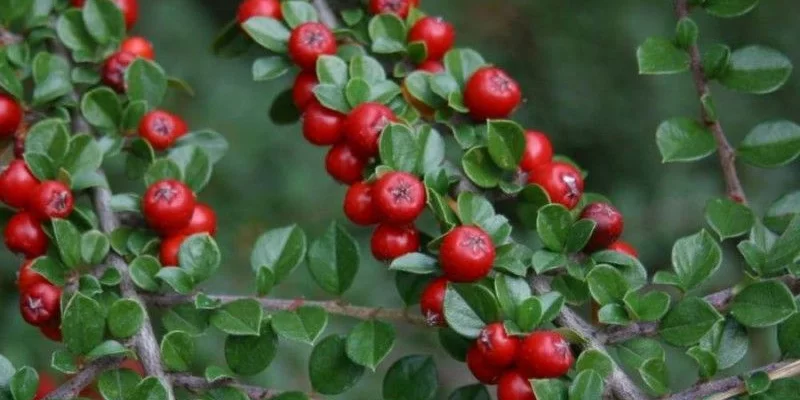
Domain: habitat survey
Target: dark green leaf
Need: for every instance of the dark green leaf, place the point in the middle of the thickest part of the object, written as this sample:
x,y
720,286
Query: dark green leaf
x,y
101,107
506,141
415,263
269,33
660,56
269,68
728,218
688,322
706,361
763,304
771,144
695,258
145,80
330,370
305,324
24,383
83,324
756,69
370,342
469,307
240,318
249,355
125,318
729,8
654,375
199,257
411,378
334,259
588,385
683,140
281,250
606,284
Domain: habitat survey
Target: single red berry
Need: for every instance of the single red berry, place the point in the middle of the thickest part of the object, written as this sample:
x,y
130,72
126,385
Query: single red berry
x,y
161,129
538,151
625,248
562,182
399,197
24,235
113,72
17,184
308,42
431,66
397,7
10,116
51,199
514,386
27,277
40,304
482,371
129,8
544,355
437,34
46,385
431,303
491,94
609,225
390,242
258,8
466,254
364,125
497,347
344,165
133,365
204,220
168,205
170,249
303,89
359,204
138,46
52,330
321,126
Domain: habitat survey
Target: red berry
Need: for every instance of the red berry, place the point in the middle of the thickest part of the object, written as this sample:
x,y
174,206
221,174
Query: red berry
x,y
562,182
609,225
466,254
258,8
364,125
544,355
24,235
10,116
398,7
129,8
497,347
27,277
51,199
431,66
482,371
308,42
46,384
436,33
431,303
161,129
170,249
625,248
538,151
344,165
40,303
390,242
52,330
114,70
133,365
359,205
17,184
168,205
514,386
204,220
399,197
303,89
491,94
139,47
321,126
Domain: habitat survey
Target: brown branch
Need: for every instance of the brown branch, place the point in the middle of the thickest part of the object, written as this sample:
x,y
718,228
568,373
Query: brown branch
x,y
727,388
196,384
73,387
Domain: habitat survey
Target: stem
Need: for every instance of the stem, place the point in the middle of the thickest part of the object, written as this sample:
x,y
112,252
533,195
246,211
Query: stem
x,y
198,384
731,387
73,387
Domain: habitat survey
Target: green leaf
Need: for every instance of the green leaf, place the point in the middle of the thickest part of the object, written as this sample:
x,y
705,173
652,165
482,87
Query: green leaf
x,y
606,284
588,385
24,383
648,307
68,240
281,250
212,143
477,210
418,86
410,286
471,392
613,314
763,304
788,332
728,218
480,169
178,279
101,107
688,322
695,258
686,33
125,318
716,59
388,34
330,370
575,291
786,248
304,325
51,74
104,21
195,166
239,318
51,269
469,307
771,144
367,68
595,360
118,384
399,148
660,56
511,293
332,70
370,342
150,388
529,314
298,12
83,324
684,140
549,389
579,234
10,82
461,64
729,341
332,97
143,271
553,226
706,361
334,259
268,32
544,261
756,69
214,374
186,317
454,344
63,361
357,91
49,137
506,141
415,263
249,355
634,352
758,382
146,81
411,378
269,68
655,376
163,168
513,258
94,247
729,8
781,213
107,348
199,257
84,155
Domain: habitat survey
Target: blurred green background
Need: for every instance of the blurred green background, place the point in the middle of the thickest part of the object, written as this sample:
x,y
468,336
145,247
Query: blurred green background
x,y
576,63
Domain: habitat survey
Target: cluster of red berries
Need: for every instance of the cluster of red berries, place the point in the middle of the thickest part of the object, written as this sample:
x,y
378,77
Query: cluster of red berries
x,y
39,301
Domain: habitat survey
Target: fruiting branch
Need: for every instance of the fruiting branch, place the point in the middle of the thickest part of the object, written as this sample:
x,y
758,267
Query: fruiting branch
x,y
197,384
733,386
88,375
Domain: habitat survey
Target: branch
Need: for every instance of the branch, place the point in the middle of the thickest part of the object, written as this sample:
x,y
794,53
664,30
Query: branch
x,y
73,387
196,384
8,38
733,386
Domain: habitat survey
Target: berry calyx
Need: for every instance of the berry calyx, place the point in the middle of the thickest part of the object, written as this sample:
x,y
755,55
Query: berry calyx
x,y
204,220
437,35
625,248
308,42
431,66
399,197
27,277
538,151
258,8
466,254
113,72
129,8
17,184
364,125
544,355
390,242
10,116
168,205
40,303
161,129
24,235
497,347
321,126
344,165
609,225
491,94
397,7
139,47
170,250
562,182
482,371
303,89
359,204
514,386
51,199
431,303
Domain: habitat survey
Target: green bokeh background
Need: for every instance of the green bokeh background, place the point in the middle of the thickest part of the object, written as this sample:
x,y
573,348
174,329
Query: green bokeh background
x,y
576,63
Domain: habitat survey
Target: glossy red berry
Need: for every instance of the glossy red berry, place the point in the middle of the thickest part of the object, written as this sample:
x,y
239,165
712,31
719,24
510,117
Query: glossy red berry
x,y
129,8
431,303
344,165
113,72
24,235
303,89
466,254
204,220
399,197
625,248
359,204
308,42
364,125
139,47
51,199
40,303
10,116
170,249
544,355
397,7
17,184
52,330
46,385
609,225
497,347
482,371
321,126
431,66
27,277
168,205
437,34
491,94
390,242
161,129
514,386
562,182
258,8
538,151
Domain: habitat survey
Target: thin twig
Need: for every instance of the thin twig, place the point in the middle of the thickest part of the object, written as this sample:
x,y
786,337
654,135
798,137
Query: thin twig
x,y
196,384
73,387
727,388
